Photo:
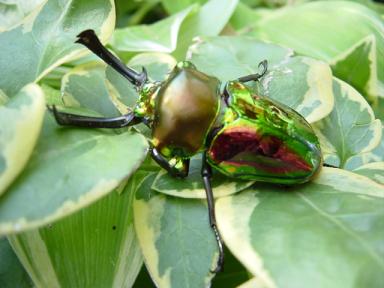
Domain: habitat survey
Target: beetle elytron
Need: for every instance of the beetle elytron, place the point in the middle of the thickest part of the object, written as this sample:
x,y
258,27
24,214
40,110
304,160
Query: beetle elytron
x,y
240,134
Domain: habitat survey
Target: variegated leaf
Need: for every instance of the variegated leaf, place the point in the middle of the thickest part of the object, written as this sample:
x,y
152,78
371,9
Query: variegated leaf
x,y
315,30
46,39
178,245
95,247
350,129
21,119
158,37
209,20
192,186
303,84
329,228
14,11
375,155
230,57
374,170
86,86
70,169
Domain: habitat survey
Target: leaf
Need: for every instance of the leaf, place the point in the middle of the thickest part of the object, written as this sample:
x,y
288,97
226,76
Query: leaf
x,y
253,283
95,247
173,7
302,83
158,65
160,36
315,30
357,66
41,47
178,245
192,186
13,12
100,89
350,129
375,155
21,119
374,171
70,169
12,273
210,20
229,57
328,230
86,86
232,274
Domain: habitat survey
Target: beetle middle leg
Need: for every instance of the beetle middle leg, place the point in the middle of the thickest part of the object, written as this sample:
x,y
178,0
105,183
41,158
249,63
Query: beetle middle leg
x,y
180,167
67,119
206,174
255,77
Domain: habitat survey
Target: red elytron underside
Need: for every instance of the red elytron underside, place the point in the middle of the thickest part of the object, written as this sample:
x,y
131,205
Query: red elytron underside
x,y
242,146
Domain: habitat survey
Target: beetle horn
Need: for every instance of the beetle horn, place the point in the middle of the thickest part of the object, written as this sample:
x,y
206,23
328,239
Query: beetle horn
x,y
89,39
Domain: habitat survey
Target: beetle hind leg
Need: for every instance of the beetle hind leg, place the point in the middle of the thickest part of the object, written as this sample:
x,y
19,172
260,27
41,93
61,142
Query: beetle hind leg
x,y
206,174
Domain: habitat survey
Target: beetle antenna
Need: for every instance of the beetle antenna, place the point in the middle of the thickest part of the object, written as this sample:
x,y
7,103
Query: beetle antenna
x,y
255,77
89,39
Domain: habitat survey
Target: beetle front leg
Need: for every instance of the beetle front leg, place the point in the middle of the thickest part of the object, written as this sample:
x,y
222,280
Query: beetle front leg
x,y
175,167
89,39
206,174
67,119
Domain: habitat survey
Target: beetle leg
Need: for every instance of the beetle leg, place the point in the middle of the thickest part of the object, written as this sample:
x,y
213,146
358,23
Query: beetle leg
x,y
175,167
68,119
206,173
89,39
255,77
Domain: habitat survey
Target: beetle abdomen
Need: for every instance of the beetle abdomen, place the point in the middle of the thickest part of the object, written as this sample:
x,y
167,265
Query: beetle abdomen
x,y
264,140
186,107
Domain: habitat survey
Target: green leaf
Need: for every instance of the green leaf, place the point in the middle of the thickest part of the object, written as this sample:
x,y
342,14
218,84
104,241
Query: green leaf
x,y
21,119
210,20
12,273
173,7
350,129
70,169
315,30
192,186
46,39
255,282
329,230
95,247
302,83
178,245
374,171
160,36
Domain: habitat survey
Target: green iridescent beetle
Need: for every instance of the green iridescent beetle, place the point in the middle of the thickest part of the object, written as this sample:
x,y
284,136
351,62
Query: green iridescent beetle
x,y
239,133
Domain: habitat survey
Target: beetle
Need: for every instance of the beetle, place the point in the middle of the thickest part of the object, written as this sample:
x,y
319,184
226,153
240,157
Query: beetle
x,y
240,134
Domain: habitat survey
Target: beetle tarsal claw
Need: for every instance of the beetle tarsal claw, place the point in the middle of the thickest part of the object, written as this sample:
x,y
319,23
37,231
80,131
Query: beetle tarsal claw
x,y
264,65
220,261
